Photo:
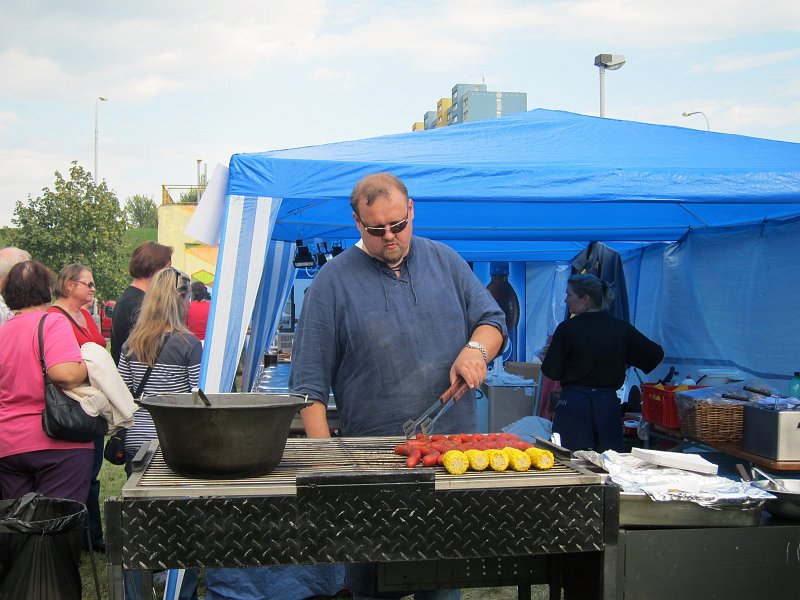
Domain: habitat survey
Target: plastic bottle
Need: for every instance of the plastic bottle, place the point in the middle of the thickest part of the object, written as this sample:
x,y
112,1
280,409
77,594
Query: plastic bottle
x,y
505,296
794,385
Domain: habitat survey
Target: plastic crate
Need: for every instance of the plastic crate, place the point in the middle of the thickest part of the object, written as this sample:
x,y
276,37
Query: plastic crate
x,y
658,406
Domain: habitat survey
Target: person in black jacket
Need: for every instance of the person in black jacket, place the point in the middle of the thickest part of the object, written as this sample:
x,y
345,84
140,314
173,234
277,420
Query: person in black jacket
x,y
589,355
147,260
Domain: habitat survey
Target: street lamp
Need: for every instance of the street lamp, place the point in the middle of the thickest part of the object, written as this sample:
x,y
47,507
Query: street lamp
x,y
603,62
96,104
698,112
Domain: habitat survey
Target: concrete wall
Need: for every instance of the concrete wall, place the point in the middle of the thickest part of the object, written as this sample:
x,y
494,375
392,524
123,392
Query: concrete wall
x,y
190,256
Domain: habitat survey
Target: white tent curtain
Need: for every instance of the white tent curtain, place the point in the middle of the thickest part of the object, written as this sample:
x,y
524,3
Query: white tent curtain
x,y
276,283
246,230
545,289
725,298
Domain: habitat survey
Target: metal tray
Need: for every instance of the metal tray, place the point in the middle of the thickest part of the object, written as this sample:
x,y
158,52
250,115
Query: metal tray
x,y
639,510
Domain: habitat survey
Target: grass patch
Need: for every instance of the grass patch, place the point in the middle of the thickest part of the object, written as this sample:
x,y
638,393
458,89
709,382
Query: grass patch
x,y
134,237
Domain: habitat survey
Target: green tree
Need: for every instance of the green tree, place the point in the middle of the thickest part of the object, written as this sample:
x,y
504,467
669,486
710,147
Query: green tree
x,y
189,196
141,212
76,222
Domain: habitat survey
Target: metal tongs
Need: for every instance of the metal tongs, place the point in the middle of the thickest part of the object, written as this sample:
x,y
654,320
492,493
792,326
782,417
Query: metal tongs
x,y
427,420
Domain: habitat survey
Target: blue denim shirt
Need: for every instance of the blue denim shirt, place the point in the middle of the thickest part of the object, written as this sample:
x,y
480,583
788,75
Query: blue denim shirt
x,y
384,344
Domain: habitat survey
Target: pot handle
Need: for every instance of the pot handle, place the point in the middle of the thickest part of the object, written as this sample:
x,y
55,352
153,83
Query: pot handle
x,y
198,393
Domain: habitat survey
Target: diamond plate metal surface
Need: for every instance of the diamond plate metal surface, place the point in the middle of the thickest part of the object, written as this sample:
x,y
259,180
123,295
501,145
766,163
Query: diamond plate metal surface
x,y
352,523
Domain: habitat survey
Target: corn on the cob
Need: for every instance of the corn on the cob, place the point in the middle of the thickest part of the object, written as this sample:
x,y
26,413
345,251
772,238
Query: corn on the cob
x,y
498,460
455,461
517,459
478,461
540,459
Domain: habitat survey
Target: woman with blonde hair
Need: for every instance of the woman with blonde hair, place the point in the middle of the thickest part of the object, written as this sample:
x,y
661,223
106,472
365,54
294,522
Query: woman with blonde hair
x,y
161,355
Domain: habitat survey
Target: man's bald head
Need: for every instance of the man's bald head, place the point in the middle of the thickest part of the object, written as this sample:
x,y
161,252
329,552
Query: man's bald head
x,y
10,256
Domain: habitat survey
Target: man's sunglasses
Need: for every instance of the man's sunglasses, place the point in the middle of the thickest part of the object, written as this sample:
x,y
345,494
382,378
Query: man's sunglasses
x,y
381,231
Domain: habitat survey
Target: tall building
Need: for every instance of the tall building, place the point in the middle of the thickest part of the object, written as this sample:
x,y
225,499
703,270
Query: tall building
x,y
472,102
442,106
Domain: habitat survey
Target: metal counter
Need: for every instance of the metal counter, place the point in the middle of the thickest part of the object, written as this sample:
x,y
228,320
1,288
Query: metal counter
x,y
343,500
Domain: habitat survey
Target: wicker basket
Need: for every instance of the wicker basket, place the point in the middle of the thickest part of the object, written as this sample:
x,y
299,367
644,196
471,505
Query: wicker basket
x,y
709,421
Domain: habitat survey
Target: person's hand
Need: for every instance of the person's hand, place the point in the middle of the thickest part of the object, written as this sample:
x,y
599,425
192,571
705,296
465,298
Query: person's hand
x,y
469,365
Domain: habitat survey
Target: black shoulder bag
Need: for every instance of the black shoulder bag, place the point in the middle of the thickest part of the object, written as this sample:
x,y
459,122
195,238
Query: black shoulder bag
x,y
64,418
114,451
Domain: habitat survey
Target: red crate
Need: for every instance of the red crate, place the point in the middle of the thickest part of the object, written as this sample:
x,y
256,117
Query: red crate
x,y
658,406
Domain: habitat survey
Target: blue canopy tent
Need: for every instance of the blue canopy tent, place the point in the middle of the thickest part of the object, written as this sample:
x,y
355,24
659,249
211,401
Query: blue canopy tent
x,y
534,187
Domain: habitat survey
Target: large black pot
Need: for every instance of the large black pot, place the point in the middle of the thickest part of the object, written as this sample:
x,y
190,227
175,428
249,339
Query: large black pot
x,y
239,435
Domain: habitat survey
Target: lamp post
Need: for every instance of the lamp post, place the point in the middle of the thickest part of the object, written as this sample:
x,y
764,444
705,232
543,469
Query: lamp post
x,y
603,62
698,112
96,104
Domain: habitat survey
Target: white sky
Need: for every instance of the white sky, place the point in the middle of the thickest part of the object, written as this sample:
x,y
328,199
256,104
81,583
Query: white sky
x,y
190,80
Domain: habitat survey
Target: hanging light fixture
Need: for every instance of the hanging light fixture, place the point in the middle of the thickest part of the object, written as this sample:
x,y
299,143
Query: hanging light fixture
x,y
322,254
303,258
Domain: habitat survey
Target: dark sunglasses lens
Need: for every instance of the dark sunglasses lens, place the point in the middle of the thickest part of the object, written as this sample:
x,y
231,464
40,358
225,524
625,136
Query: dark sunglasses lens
x,y
398,227
381,231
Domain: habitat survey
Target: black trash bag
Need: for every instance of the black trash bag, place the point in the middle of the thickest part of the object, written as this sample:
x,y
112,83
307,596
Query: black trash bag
x,y
40,548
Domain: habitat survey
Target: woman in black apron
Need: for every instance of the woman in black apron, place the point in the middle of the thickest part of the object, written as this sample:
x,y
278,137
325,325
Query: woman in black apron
x,y
589,355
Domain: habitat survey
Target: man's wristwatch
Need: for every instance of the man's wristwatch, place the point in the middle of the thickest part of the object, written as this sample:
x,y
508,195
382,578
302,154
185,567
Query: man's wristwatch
x,y
478,346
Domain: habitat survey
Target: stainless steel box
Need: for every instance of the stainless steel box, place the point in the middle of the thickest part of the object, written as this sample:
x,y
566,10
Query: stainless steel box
x,y
507,404
774,434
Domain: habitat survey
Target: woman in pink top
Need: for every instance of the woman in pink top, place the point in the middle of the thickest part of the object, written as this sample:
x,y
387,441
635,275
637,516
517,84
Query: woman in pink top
x,y
29,460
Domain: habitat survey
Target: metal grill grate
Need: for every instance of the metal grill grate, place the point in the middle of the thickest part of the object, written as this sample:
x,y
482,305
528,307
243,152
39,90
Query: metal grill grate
x,y
304,456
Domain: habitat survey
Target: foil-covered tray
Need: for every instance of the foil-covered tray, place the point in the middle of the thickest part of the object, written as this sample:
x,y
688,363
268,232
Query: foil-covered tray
x,y
639,510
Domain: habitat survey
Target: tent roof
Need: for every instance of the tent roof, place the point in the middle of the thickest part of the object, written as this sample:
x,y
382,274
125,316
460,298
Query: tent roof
x,y
542,182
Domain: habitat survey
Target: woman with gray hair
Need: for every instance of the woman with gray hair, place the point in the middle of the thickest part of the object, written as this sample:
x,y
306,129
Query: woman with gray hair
x,y
589,355
75,288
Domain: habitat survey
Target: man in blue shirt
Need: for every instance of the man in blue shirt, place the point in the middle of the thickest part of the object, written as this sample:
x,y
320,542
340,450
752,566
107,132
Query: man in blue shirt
x,y
389,325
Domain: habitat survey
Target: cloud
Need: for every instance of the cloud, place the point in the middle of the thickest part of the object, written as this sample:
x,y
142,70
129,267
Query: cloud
x,y
746,61
177,45
30,76
25,172
6,118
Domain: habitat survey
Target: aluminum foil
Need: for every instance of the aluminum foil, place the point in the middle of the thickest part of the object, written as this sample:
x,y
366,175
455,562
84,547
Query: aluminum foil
x,y
665,484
